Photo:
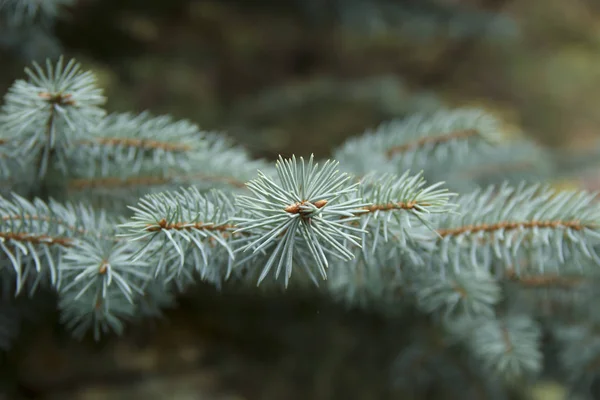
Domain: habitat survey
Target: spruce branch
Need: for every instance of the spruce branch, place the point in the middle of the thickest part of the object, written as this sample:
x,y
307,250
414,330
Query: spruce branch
x,y
546,280
420,140
398,207
528,223
304,210
383,238
118,173
293,217
472,293
35,235
42,116
101,315
508,346
431,142
127,141
100,284
555,298
180,226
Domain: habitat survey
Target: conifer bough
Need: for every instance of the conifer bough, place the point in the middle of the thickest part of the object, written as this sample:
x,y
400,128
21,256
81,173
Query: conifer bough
x,y
119,213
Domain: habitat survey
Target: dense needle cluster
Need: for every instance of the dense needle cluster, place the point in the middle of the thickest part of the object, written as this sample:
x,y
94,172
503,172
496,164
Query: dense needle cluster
x,y
149,206
310,212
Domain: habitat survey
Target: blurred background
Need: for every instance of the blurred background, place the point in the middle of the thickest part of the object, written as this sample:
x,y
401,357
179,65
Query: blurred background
x,y
296,76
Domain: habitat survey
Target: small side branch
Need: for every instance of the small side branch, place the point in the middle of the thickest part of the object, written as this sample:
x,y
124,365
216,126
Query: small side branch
x,y
56,221
36,239
434,141
411,205
545,280
142,144
164,225
508,225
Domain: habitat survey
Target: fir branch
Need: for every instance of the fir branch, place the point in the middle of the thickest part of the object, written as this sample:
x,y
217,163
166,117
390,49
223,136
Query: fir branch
x,y
35,235
545,280
431,141
509,225
128,142
119,176
139,144
386,241
508,347
180,226
398,207
97,314
101,284
49,220
472,293
512,225
420,140
304,210
42,116
282,215
35,239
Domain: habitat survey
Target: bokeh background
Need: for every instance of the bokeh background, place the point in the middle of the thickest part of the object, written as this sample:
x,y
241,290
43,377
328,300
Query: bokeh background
x,y
298,76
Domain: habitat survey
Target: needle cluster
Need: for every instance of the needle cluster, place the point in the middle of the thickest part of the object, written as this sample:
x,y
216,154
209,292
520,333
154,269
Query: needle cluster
x,y
117,214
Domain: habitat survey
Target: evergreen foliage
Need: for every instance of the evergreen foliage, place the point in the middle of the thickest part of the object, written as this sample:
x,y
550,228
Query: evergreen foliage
x,y
118,213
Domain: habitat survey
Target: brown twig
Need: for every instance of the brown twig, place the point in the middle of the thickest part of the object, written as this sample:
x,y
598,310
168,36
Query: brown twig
x,y
37,239
394,206
162,224
138,143
508,225
544,280
431,140
50,220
